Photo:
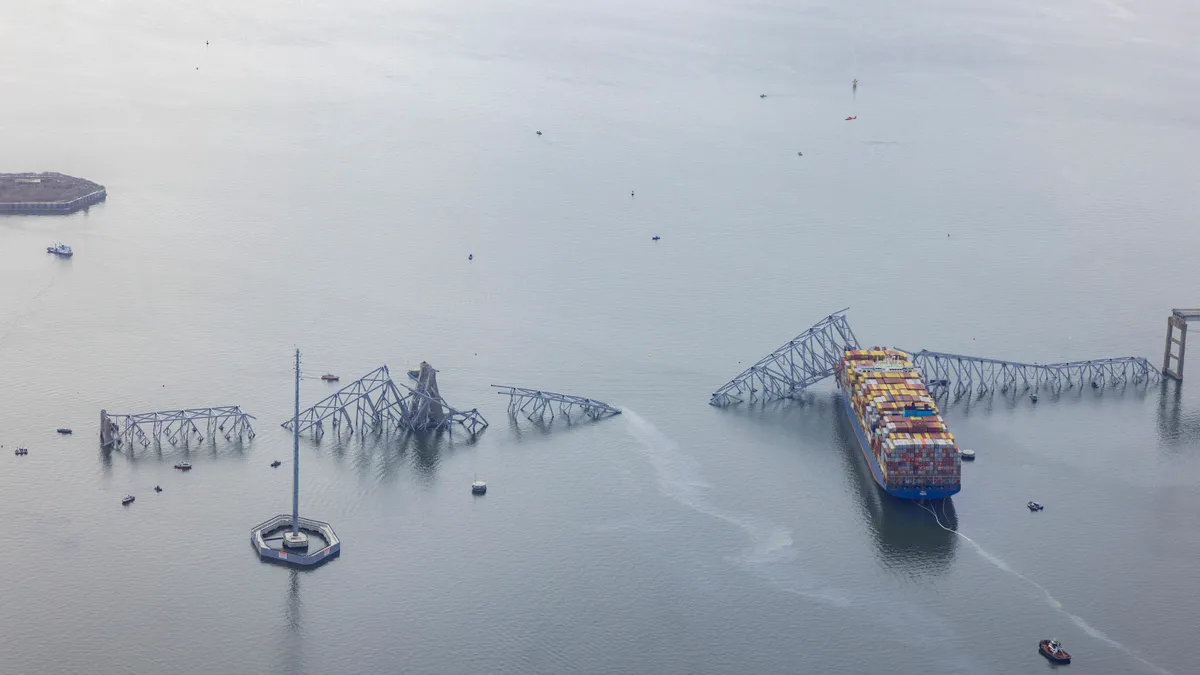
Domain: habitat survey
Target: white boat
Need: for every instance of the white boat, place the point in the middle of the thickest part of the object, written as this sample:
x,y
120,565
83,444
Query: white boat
x,y
127,500
968,455
61,250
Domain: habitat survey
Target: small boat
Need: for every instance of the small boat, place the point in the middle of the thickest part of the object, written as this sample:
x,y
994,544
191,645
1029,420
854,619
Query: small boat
x,y
329,377
967,455
127,500
61,250
1052,649
63,430
157,488
655,238
470,256
1034,506
852,117
183,466
21,451
478,487
1033,397
275,464
762,95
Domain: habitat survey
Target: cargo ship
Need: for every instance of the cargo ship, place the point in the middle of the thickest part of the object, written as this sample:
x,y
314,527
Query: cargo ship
x,y
902,436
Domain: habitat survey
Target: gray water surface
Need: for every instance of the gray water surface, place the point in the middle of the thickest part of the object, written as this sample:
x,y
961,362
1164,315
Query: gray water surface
x,y
1019,183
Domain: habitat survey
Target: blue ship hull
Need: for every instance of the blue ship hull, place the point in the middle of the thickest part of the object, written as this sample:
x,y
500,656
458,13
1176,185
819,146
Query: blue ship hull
x,y
868,457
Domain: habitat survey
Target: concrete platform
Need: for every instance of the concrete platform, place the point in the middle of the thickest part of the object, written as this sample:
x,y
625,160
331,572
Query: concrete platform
x,y
47,193
281,524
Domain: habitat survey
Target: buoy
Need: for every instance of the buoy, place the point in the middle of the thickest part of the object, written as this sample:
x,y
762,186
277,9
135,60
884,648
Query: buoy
x,y
631,193
470,256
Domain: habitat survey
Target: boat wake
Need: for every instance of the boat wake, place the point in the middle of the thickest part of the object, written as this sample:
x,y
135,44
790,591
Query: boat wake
x,y
32,308
772,548
679,478
1050,599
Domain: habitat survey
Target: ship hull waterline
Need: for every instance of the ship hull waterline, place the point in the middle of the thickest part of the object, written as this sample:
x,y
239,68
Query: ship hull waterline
x,y
864,447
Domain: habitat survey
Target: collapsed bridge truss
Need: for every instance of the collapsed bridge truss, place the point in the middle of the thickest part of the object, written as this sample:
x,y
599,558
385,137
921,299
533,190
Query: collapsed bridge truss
x,y
375,403
175,426
814,354
536,403
805,360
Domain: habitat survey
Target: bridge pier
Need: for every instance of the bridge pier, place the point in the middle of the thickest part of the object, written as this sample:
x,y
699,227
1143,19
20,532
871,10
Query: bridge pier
x,y
1177,322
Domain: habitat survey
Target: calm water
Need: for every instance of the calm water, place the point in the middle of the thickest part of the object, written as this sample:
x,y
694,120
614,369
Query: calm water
x,y
1020,183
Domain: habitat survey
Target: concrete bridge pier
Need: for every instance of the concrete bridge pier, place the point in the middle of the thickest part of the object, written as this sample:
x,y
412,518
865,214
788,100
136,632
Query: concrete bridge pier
x,y
1177,323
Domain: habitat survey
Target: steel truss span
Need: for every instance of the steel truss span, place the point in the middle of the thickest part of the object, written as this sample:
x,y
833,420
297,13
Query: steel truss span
x,y
963,375
805,360
175,426
814,354
376,403
536,404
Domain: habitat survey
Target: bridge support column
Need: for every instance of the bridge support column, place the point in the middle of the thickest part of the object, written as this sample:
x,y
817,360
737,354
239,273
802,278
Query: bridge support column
x,y
1174,323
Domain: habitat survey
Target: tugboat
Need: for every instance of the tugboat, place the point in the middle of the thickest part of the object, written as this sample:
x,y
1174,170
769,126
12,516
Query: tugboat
x,y
329,377
1052,650
275,464
183,466
1034,506
60,250
127,500
478,487
63,430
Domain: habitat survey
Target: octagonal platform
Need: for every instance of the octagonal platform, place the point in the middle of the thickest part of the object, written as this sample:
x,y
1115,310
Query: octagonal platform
x,y
47,193
268,540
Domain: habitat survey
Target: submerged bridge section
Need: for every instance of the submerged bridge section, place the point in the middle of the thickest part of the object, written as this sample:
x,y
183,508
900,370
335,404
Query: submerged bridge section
x,y
175,426
536,403
375,403
812,356
962,375
805,360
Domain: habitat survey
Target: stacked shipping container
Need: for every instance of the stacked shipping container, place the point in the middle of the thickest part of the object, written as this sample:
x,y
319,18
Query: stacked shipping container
x,y
895,412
